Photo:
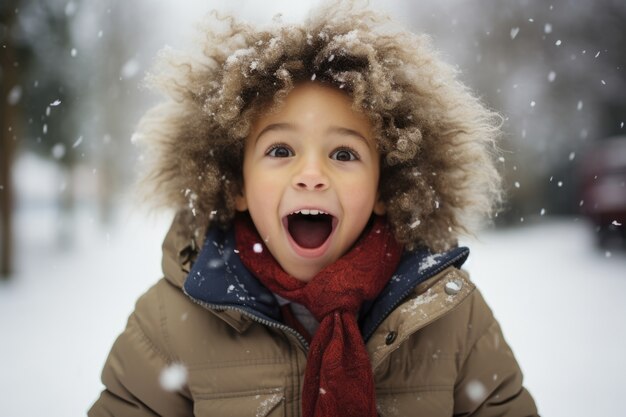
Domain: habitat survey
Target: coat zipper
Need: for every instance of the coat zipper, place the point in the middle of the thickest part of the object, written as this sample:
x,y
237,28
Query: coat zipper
x,y
253,317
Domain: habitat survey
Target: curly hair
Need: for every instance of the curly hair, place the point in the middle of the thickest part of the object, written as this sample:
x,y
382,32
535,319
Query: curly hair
x,y
436,140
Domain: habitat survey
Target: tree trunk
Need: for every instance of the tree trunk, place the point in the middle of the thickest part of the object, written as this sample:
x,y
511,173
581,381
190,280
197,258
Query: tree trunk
x,y
8,136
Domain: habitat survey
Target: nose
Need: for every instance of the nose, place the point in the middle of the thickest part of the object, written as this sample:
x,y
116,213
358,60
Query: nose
x,y
311,176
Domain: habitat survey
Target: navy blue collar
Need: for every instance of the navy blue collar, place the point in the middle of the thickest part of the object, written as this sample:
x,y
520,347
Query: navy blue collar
x,y
218,279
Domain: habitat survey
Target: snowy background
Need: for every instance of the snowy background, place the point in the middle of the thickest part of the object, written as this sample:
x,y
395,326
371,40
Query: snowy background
x,y
85,249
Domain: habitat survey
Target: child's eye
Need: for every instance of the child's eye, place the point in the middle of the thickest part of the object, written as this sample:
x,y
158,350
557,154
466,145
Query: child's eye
x,y
344,155
279,151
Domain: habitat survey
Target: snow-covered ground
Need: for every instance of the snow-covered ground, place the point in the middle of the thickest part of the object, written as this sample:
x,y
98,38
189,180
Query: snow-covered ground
x,y
561,305
559,300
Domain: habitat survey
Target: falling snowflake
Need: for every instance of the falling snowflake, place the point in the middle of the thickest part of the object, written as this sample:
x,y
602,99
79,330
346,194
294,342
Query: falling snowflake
x,y
58,151
70,8
173,377
130,69
135,138
415,224
14,95
215,263
257,248
77,142
476,391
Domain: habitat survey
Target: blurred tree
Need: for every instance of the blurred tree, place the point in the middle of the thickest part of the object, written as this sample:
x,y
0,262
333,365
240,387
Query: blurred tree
x,y
72,70
10,95
81,97
52,94
555,70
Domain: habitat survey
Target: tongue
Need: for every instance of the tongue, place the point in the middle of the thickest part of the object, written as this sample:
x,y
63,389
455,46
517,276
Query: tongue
x,y
310,231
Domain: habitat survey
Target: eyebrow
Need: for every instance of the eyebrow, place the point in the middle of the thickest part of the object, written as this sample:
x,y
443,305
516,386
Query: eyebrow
x,y
274,127
332,129
348,132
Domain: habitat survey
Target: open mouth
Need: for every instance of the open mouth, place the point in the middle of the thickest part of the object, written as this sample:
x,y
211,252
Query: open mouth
x,y
309,229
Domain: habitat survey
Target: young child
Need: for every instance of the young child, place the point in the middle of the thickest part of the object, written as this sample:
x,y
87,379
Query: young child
x,y
322,174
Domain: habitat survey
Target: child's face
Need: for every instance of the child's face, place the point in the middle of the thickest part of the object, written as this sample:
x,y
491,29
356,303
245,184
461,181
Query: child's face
x,y
316,154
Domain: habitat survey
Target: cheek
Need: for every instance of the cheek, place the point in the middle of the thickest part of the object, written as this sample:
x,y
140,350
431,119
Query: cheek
x,y
261,203
262,190
359,193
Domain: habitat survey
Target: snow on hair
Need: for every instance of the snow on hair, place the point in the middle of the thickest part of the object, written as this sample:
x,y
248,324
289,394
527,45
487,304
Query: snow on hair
x,y
437,141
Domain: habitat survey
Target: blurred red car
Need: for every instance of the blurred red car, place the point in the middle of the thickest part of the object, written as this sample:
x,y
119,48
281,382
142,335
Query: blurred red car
x,y
603,186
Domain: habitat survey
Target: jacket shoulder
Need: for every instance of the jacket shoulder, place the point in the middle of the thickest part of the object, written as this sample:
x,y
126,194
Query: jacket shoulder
x,y
489,380
444,346
452,303
446,304
134,370
177,327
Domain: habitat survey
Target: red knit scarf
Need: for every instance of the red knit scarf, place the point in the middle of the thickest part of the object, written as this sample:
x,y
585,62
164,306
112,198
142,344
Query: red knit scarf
x,y
338,379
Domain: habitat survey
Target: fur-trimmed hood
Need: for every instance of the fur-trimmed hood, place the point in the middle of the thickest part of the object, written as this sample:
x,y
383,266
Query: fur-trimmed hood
x,y
436,139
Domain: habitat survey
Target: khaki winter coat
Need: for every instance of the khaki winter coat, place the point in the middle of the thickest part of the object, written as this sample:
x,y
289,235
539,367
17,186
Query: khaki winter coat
x,y
439,353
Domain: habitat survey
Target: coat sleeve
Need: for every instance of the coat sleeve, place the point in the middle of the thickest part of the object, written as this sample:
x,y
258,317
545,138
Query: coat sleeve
x,y
133,368
490,380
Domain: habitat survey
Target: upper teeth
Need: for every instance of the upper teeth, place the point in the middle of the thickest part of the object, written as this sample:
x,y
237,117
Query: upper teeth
x,y
307,211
